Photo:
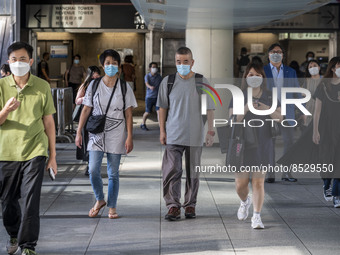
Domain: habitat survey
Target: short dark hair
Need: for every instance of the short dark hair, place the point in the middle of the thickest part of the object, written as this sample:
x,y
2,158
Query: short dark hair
x,y
77,55
184,51
128,59
45,54
18,46
5,68
153,63
256,59
276,45
243,50
310,52
109,53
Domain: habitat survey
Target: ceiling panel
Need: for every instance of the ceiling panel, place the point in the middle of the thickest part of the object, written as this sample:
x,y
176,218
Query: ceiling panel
x,y
220,14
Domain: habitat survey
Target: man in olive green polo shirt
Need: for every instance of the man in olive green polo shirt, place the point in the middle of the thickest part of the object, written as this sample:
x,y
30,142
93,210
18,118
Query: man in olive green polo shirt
x,y
27,132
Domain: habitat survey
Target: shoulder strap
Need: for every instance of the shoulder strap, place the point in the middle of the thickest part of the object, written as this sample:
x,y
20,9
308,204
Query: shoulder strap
x,y
171,81
95,86
199,85
199,82
94,89
123,88
113,91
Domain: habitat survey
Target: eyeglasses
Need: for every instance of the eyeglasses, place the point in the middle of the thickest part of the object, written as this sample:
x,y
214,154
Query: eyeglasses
x,y
278,52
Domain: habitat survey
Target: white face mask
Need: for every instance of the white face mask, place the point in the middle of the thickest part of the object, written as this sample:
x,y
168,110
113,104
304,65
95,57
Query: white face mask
x,y
19,68
154,70
254,81
337,72
314,70
275,57
310,58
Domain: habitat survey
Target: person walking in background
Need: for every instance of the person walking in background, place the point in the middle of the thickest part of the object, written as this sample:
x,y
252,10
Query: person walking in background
x,y
261,153
93,72
5,70
180,108
43,70
242,61
326,128
295,65
113,97
311,82
75,75
128,71
152,81
280,76
304,66
27,133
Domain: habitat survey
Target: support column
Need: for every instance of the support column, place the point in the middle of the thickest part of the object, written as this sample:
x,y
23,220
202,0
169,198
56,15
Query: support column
x,y
213,54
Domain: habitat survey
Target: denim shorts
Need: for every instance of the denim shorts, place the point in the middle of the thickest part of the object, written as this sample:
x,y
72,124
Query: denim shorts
x,y
149,103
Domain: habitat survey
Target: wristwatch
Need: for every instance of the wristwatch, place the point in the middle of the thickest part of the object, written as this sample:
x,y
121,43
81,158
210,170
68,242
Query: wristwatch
x,y
212,133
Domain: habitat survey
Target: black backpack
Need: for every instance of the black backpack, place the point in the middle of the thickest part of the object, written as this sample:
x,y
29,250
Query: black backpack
x,y
244,60
198,81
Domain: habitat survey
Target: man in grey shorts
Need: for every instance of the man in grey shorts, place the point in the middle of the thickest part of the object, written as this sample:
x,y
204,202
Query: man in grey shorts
x,y
180,108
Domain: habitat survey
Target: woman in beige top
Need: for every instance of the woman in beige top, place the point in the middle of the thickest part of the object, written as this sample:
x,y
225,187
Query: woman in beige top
x,y
75,75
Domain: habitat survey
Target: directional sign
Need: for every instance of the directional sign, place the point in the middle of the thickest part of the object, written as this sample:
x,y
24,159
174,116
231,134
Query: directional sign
x,y
63,16
38,15
326,17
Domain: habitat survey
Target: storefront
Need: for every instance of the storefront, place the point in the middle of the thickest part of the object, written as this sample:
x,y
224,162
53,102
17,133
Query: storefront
x,y
66,29
316,31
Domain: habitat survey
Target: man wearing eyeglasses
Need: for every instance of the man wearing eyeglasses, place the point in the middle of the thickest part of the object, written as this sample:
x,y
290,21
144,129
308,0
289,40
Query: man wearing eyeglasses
x,y
279,76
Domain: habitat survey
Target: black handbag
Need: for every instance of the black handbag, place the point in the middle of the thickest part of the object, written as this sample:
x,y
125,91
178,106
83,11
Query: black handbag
x,y
275,129
236,147
96,124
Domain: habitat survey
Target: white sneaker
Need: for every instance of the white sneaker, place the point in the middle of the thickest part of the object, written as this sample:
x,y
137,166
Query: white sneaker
x,y
242,213
327,194
336,202
256,222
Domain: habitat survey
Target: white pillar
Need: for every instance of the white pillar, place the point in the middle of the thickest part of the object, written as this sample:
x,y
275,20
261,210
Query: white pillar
x,y
213,54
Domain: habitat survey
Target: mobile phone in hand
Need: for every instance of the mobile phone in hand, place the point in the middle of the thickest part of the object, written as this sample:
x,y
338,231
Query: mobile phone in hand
x,y
51,174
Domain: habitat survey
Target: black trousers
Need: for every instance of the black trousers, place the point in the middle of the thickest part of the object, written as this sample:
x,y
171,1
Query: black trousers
x,y
22,180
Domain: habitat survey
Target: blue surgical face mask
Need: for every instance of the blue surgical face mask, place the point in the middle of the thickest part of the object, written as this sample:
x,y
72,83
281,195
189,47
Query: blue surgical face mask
x,y
76,61
183,69
111,70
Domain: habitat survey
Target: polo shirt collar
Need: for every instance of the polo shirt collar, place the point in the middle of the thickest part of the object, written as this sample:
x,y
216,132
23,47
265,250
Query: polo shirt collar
x,y
13,84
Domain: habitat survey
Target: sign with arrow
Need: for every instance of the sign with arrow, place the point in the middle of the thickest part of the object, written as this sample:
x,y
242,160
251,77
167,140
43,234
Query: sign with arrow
x,y
326,17
38,15
63,16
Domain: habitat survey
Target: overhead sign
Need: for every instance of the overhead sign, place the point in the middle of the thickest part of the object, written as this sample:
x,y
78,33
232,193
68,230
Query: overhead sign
x,y
326,17
63,16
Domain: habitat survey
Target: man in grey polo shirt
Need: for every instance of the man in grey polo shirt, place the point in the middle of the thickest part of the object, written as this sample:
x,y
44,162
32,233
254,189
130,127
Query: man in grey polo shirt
x,y
181,110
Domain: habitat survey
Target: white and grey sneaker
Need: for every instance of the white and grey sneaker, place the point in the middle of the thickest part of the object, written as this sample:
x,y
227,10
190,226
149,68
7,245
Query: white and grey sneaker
x,y
336,201
12,246
242,213
256,222
327,194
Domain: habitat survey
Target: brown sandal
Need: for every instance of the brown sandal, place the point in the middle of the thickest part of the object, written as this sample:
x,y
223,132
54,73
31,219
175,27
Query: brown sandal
x,y
94,211
113,216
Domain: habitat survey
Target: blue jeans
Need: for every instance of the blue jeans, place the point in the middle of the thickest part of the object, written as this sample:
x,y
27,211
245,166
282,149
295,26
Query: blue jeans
x,y
95,162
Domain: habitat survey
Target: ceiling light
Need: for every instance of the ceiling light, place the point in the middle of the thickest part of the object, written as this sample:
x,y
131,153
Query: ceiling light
x,y
155,11
156,1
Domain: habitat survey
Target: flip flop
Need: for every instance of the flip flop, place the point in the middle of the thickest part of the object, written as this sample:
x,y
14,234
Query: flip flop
x,y
113,216
94,211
